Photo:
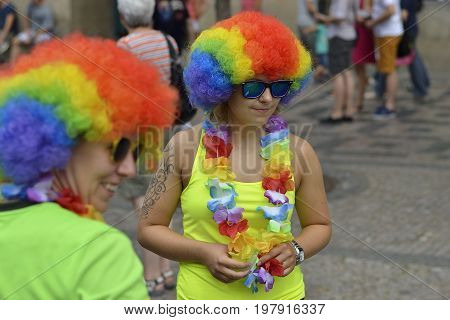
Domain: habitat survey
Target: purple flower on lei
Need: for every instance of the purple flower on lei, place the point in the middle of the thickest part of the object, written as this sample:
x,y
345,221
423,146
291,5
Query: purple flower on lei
x,y
260,276
275,123
41,191
38,193
276,197
232,216
220,131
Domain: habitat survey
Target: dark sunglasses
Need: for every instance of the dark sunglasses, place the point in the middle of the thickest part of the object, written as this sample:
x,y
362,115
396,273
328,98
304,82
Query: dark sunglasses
x,y
254,89
121,147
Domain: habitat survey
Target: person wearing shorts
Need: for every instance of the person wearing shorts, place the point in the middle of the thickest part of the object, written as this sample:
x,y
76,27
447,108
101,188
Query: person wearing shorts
x,y
387,25
342,34
8,26
39,26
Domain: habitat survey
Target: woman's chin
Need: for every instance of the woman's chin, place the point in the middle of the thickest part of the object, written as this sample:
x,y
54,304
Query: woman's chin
x,y
100,205
260,120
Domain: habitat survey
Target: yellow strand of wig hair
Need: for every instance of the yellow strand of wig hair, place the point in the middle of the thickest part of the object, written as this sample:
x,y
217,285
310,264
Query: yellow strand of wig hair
x,y
228,48
66,88
305,62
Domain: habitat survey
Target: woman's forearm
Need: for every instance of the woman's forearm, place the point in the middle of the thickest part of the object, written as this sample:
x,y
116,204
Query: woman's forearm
x,y
171,245
314,238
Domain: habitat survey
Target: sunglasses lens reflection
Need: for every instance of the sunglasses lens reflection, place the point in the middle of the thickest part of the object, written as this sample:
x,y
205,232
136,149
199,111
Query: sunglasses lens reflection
x,y
252,90
280,89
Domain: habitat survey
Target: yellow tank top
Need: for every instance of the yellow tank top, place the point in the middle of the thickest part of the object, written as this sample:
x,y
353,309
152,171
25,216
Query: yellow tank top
x,y
195,282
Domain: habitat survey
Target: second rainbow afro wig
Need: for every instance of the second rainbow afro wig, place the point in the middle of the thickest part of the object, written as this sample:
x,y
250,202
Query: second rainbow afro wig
x,y
73,90
235,50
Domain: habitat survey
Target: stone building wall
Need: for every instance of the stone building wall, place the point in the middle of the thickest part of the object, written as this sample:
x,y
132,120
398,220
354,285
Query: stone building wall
x,y
92,17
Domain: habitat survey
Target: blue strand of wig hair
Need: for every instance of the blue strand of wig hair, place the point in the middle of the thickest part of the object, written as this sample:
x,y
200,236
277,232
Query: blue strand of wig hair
x,y
41,135
212,86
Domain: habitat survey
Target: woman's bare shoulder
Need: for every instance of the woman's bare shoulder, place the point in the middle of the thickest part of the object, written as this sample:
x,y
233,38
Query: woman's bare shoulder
x,y
304,153
187,139
301,147
185,144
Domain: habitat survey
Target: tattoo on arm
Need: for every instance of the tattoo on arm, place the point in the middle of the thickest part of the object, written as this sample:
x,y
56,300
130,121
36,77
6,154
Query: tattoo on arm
x,y
158,184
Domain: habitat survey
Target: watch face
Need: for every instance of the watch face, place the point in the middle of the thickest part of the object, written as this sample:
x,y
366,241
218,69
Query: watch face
x,y
302,255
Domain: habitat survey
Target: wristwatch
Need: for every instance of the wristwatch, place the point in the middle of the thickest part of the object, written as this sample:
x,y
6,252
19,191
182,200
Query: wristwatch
x,y
299,253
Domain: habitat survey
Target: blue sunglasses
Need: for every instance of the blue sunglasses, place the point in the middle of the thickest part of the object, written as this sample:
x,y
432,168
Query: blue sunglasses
x,y
254,89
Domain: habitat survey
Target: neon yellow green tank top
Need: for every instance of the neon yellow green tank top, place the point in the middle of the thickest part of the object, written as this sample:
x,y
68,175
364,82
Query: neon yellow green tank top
x,y
195,282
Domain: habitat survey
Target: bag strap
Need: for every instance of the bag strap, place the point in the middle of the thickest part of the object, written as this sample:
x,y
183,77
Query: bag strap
x,y
173,57
173,53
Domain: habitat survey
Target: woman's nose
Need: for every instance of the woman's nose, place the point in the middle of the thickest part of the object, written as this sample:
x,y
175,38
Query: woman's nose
x,y
266,96
127,168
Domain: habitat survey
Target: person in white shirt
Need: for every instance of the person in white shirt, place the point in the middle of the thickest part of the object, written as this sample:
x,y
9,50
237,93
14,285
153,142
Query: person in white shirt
x,y
387,25
342,34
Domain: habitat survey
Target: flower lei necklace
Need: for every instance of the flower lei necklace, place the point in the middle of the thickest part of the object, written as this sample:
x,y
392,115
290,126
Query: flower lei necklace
x,y
277,180
42,192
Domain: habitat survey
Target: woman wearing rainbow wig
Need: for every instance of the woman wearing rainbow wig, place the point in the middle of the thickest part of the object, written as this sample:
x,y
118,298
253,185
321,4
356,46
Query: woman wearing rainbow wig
x,y
69,114
240,174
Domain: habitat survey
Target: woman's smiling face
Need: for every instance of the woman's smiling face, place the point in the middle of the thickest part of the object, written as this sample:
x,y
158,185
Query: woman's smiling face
x,y
251,111
95,175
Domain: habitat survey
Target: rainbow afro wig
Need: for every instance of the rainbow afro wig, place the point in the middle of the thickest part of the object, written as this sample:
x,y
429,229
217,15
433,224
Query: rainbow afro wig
x,y
236,50
78,89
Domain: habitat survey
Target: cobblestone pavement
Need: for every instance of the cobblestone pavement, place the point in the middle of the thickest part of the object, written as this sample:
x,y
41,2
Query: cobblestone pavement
x,y
388,188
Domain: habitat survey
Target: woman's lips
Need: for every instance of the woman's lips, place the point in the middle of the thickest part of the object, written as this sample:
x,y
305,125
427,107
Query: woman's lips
x,y
111,188
261,110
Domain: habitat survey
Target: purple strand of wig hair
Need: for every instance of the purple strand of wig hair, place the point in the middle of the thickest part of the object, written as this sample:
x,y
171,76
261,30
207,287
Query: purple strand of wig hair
x,y
33,141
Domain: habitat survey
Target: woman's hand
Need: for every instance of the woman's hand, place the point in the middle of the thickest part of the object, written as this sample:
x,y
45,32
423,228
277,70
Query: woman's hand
x,y
222,266
284,253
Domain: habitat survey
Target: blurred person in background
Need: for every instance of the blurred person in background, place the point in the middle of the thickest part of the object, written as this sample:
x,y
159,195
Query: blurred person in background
x,y
223,9
67,140
417,69
387,26
251,5
342,34
172,18
196,9
9,26
152,47
408,54
418,73
39,26
364,50
307,29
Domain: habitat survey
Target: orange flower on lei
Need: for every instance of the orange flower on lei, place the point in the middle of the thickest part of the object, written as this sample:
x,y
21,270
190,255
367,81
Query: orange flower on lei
x,y
242,247
218,168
